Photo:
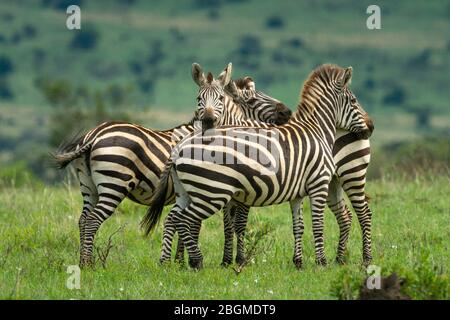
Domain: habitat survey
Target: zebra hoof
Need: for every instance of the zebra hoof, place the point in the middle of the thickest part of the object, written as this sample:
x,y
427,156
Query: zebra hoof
x,y
341,261
86,263
240,260
298,263
164,261
322,262
367,261
179,261
196,263
225,264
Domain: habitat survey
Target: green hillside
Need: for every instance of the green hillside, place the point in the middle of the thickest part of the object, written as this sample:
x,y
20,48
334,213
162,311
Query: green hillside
x,y
144,49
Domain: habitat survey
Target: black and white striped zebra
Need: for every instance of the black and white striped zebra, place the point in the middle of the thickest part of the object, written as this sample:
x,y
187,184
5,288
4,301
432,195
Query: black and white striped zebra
x,y
351,156
293,161
117,160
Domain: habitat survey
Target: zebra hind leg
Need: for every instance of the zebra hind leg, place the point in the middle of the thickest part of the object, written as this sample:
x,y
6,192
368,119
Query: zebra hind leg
x,y
364,214
179,257
240,225
336,203
317,209
187,222
90,199
228,229
168,235
104,208
298,229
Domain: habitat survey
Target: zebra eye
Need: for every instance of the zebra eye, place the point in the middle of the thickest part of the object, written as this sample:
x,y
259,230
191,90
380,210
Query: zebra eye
x,y
353,100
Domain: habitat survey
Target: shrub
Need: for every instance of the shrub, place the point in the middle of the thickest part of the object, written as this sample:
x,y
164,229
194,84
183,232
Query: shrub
x,y
60,4
274,22
6,66
395,96
84,39
5,91
249,46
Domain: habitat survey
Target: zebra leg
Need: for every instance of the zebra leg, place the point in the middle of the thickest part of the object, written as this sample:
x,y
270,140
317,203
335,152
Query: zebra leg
x,y
240,225
297,228
179,257
187,222
317,208
104,208
168,234
360,204
90,197
229,213
336,203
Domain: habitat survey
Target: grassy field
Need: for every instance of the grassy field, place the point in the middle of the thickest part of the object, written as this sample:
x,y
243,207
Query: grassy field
x,y
39,239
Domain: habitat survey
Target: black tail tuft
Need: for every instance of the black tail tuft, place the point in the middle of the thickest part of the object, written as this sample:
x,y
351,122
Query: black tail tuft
x,y
158,201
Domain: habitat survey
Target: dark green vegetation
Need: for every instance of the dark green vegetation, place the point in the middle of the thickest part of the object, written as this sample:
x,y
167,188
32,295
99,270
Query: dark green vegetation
x,y
131,60
39,239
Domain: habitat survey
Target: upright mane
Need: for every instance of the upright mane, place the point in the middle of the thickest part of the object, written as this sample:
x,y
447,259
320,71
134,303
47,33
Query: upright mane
x,y
313,86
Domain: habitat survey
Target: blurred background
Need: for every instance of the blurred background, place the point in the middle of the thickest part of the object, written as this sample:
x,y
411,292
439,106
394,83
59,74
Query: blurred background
x,y
131,61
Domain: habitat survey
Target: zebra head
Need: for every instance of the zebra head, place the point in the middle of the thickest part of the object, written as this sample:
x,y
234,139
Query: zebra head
x,y
211,95
255,105
258,105
351,116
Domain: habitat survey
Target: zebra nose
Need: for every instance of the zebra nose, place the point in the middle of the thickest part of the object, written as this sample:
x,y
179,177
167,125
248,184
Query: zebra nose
x,y
283,114
370,124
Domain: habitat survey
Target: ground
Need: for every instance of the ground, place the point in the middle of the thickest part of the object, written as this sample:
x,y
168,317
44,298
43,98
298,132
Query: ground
x,y
39,240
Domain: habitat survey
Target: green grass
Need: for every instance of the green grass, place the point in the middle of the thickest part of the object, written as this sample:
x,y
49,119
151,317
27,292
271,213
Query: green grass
x,y
39,239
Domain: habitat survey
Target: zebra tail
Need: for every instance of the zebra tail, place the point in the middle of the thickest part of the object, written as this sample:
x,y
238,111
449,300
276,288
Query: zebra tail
x,y
70,150
157,201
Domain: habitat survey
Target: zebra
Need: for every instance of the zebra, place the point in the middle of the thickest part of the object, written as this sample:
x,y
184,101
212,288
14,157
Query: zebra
x,y
297,158
117,159
351,157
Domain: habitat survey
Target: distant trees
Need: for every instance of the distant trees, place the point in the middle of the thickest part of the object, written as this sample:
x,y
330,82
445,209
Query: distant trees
x,y
60,4
6,68
77,108
274,22
85,39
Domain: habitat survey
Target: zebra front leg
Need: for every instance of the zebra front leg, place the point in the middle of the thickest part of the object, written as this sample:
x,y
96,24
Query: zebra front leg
x,y
336,203
297,228
229,213
317,208
102,211
240,225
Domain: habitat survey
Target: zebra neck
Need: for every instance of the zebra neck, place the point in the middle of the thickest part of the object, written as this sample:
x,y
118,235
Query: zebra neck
x,y
319,119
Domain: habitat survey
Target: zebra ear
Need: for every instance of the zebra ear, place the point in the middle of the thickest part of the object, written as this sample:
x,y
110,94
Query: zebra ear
x,y
232,89
249,83
197,74
347,77
225,77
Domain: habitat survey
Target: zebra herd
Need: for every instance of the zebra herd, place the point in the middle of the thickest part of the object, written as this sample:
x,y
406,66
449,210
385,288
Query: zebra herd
x,y
241,149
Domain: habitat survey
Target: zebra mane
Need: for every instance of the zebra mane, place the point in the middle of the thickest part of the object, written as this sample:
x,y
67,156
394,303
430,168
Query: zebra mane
x,y
326,73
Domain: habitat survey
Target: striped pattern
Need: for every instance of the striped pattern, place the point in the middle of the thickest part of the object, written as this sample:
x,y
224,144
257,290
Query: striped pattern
x,y
300,151
117,160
